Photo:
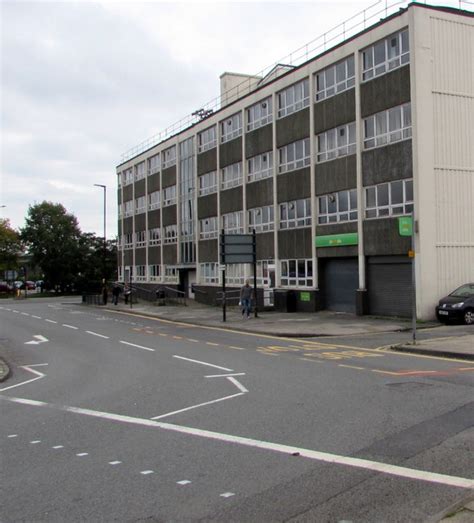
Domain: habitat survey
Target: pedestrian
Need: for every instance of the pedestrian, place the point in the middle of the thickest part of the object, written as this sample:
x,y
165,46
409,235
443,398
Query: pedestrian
x,y
246,293
116,290
126,294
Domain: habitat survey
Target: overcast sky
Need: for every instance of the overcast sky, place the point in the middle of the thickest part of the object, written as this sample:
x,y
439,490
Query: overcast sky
x,y
82,82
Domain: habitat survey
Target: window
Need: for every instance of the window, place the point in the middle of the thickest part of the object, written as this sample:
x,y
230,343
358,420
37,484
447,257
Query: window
x,y
128,240
140,171
263,275
337,142
261,219
387,126
171,274
232,223
140,238
209,272
338,207
140,272
154,236
260,166
169,157
140,204
259,114
128,208
389,199
231,127
154,272
171,234
120,210
154,164
128,176
295,214
235,274
385,55
208,228
119,180
207,183
154,200
207,139
335,79
297,273
293,156
169,195
231,176
294,98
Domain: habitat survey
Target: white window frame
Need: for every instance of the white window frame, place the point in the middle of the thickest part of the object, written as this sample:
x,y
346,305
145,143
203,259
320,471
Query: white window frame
x,y
119,180
294,98
154,164
260,166
140,204
140,272
235,273
169,157
207,183
129,207
170,234
140,238
128,176
207,139
154,236
208,228
209,273
171,274
337,142
154,272
287,160
330,207
140,171
390,61
169,195
231,176
154,200
293,278
231,127
259,114
233,222
261,219
128,240
289,214
382,128
385,210
335,79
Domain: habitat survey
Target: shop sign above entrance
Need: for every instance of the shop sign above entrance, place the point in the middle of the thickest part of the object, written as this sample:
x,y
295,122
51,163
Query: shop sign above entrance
x,y
337,240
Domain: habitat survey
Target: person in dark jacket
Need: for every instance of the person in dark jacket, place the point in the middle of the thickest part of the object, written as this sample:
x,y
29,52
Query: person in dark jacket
x,y
246,293
116,290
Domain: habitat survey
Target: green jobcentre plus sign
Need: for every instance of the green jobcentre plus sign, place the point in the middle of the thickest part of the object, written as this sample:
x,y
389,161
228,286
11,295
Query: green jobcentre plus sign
x,y
337,240
305,296
405,226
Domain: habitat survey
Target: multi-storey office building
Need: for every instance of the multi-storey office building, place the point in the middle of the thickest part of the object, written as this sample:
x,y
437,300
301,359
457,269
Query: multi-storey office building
x,y
322,160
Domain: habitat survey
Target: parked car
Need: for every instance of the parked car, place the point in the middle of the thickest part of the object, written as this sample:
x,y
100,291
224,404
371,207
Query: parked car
x,y
459,305
31,285
5,287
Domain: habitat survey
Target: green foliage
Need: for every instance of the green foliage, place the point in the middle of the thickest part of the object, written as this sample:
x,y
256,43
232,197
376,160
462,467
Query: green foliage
x,y
10,246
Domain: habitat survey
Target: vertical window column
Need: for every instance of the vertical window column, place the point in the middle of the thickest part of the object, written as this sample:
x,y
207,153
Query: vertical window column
x,y
312,171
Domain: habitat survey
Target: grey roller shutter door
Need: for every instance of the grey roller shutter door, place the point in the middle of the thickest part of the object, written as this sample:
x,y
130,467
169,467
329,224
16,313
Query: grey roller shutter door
x,y
341,280
389,286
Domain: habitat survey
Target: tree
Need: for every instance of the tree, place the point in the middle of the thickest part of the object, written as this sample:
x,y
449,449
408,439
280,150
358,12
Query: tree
x,y
10,246
52,237
92,261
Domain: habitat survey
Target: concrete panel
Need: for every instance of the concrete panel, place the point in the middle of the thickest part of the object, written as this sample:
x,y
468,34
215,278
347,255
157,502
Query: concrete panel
x,y
231,200
154,219
153,183
169,215
258,141
140,222
334,111
140,188
168,176
127,193
388,163
128,225
293,127
381,238
385,91
265,246
259,193
336,175
294,185
230,152
140,256
119,228
154,255
208,251
207,206
128,257
170,254
207,161
294,244
119,196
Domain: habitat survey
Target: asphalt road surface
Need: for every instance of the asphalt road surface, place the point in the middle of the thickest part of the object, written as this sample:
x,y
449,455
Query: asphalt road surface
x,y
114,417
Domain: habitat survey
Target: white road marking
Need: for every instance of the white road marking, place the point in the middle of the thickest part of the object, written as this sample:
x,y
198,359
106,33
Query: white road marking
x,y
98,335
37,317
82,454
114,462
236,348
238,384
12,436
225,375
24,313
56,447
192,340
135,345
39,339
203,363
70,326
196,406
16,312
227,495
50,321
145,472
385,468
183,482
28,368
35,441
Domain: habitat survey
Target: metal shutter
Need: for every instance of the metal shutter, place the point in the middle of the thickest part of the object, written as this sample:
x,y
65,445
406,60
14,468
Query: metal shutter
x,y
340,280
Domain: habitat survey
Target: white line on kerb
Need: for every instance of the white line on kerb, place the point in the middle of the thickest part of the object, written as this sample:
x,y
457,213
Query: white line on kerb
x,y
385,468
135,345
203,363
98,335
70,326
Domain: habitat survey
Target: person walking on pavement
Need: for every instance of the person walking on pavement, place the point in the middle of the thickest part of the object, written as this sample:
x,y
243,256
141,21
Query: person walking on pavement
x,y
116,290
246,293
127,294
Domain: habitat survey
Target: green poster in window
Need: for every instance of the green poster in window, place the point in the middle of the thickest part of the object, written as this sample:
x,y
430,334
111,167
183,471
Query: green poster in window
x,y
305,296
405,226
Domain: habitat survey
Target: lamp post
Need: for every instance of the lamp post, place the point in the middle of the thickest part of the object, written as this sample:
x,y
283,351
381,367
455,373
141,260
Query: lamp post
x,y
104,290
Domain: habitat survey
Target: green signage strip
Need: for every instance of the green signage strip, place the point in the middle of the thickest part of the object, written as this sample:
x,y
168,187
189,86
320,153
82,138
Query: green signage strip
x,y
305,296
405,226
337,240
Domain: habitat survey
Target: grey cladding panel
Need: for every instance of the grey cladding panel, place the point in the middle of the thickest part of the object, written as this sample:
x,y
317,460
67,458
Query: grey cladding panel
x,y
336,228
140,188
259,193
207,161
128,257
140,222
140,256
169,254
154,255
207,206
231,200
385,91
294,243
293,127
334,111
119,228
294,185
168,176
265,246
388,163
230,152
169,215
336,175
381,237
258,141
208,251
154,219
153,183
128,193
128,225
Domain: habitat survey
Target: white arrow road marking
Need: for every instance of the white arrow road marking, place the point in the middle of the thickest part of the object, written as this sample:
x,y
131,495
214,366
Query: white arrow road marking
x,y
202,363
39,339
28,368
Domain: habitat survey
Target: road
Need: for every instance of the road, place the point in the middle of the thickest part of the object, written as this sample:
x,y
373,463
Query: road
x,y
114,417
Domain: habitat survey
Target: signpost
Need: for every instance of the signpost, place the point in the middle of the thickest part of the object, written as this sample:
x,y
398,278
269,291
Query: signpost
x,y
238,248
405,228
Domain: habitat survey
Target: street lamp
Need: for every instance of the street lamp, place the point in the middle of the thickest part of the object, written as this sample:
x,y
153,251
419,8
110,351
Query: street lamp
x,y
105,242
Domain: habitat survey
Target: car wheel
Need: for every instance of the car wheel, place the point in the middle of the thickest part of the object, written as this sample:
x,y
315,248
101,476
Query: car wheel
x,y
469,317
